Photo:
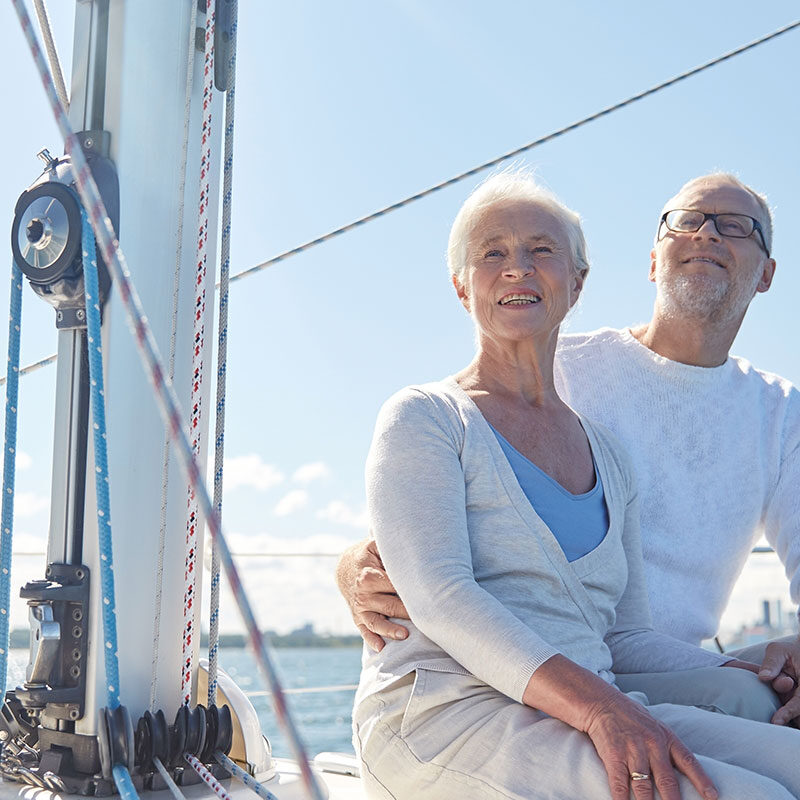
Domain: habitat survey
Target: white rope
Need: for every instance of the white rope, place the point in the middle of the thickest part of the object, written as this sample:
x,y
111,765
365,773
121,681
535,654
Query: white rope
x,y
162,770
198,335
162,539
52,53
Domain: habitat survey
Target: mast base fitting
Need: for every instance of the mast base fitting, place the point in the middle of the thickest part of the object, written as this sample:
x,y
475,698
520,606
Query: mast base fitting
x,y
55,684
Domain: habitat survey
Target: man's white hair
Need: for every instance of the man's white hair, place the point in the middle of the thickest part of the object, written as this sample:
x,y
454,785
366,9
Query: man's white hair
x,y
512,184
730,179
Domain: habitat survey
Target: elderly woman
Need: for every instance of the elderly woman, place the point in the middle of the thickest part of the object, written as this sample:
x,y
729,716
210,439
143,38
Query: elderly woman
x,y
509,526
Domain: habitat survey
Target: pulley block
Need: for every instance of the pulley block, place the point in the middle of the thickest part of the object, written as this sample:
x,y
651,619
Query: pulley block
x,y
115,738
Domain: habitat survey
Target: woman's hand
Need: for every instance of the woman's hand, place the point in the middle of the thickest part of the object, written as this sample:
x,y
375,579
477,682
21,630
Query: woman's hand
x,y
631,743
629,740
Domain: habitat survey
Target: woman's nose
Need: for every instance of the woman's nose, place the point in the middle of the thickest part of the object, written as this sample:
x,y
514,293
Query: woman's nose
x,y
520,264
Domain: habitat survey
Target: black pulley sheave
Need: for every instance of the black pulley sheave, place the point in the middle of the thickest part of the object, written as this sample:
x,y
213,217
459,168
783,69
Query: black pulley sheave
x,y
46,233
47,230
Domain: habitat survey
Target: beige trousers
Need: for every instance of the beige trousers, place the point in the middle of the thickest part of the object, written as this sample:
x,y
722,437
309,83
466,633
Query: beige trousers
x,y
417,742
735,692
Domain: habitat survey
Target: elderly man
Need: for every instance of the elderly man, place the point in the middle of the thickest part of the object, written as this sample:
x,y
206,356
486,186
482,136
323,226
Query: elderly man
x,y
715,444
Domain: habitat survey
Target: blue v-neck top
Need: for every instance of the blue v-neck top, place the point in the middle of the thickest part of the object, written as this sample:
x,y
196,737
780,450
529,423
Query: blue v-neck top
x,y
579,522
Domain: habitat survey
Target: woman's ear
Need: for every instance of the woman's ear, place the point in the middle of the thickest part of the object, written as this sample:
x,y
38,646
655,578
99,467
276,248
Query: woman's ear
x,y
577,286
461,292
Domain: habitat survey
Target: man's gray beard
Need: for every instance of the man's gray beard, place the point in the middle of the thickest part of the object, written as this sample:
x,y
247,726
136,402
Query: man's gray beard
x,y
700,297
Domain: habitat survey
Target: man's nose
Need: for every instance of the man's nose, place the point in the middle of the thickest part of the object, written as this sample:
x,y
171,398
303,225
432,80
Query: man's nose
x,y
708,230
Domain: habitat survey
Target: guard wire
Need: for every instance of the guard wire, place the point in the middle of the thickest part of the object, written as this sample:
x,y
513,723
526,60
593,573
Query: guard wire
x,y
510,154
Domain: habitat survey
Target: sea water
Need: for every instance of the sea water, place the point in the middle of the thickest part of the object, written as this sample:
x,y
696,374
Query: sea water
x,y
322,717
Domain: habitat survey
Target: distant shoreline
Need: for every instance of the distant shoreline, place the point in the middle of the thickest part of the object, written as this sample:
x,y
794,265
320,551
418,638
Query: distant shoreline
x,y
20,639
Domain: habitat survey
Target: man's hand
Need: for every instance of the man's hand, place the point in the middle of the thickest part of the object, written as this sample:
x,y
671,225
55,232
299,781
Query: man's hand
x,y
781,669
368,591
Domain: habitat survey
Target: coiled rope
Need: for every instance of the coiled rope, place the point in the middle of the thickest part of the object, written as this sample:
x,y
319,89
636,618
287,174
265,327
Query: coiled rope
x,y
222,347
9,466
510,154
164,393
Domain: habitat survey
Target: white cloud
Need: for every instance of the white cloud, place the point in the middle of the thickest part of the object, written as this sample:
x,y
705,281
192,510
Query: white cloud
x,y
291,502
252,471
270,579
339,512
26,504
23,460
311,472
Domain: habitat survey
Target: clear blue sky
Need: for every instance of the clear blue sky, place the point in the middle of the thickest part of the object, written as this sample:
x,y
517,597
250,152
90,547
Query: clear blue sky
x,y
343,108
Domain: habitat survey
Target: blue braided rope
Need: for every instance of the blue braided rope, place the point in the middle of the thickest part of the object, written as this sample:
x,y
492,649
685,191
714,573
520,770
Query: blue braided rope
x,y
248,780
222,351
95,348
125,787
94,343
9,465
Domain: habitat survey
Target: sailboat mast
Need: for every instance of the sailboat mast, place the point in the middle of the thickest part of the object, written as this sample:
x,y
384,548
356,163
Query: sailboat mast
x,y
130,77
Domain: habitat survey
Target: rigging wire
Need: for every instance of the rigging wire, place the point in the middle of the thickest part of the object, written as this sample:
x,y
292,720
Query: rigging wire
x,y
162,536
52,53
510,154
486,165
165,396
222,346
42,362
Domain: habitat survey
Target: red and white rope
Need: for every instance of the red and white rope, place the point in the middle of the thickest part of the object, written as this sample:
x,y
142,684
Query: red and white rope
x,y
193,518
207,777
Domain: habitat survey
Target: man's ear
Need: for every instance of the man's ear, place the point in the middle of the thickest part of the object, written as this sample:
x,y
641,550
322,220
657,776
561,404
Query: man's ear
x,y
767,274
652,275
461,292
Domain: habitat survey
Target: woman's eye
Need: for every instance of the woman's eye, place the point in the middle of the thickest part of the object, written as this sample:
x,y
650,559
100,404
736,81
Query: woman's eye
x,y
542,248
493,254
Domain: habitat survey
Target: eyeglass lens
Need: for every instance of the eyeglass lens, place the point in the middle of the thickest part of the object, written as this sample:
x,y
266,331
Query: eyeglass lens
x,y
738,226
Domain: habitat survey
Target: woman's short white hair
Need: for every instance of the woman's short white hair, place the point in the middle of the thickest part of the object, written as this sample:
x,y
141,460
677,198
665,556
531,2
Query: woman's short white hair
x,y
512,184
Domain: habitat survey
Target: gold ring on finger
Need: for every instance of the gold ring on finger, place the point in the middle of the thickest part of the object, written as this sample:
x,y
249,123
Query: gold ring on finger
x,y
639,776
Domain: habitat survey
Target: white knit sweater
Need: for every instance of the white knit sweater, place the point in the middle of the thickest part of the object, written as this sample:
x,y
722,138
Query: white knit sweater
x,y
716,453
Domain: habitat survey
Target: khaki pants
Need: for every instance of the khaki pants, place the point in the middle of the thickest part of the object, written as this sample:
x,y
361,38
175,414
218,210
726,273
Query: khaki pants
x,y
417,742
736,692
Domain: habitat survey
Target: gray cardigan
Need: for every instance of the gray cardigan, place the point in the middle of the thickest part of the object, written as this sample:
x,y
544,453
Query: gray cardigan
x,y
486,583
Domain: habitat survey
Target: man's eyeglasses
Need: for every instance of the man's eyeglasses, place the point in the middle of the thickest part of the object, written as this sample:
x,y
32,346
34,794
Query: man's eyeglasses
x,y
736,226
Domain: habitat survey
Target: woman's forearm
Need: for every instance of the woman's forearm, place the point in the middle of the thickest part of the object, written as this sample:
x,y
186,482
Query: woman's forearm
x,y
564,690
